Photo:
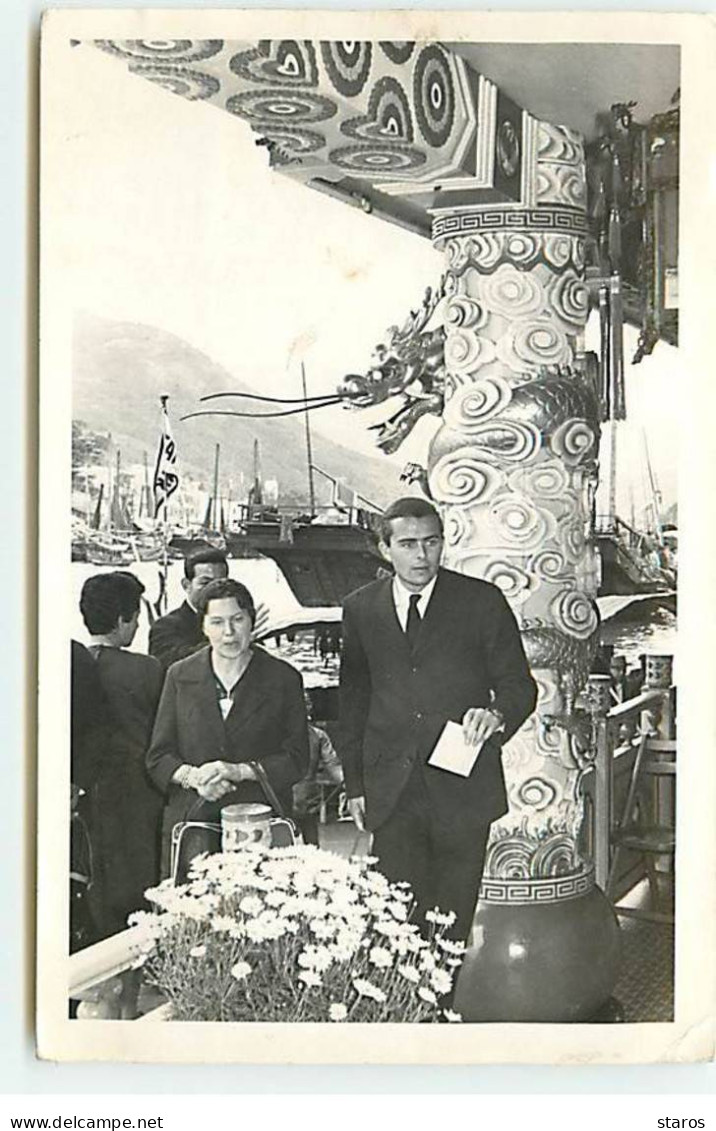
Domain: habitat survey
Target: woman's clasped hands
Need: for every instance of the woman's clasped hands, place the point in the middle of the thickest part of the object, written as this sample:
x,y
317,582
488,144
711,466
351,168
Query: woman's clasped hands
x,y
214,780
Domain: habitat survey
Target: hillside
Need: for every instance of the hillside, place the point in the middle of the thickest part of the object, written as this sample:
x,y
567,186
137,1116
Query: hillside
x,y
121,368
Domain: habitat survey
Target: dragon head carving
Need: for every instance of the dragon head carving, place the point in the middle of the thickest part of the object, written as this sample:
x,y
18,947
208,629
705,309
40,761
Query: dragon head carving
x,y
410,364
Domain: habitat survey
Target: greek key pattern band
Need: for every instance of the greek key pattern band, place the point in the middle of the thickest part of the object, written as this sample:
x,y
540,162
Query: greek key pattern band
x,y
571,221
552,890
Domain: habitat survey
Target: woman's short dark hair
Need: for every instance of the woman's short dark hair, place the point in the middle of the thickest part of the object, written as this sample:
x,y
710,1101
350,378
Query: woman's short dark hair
x,y
221,589
108,596
411,506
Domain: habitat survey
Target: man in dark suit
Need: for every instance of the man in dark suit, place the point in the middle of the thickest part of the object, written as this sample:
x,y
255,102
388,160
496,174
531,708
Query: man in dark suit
x,y
178,634
420,649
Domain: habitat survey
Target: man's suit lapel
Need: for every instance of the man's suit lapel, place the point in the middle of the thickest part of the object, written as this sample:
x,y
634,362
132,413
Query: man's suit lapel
x,y
437,613
389,634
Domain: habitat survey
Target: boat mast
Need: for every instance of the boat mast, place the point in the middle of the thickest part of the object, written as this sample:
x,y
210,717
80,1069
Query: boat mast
x,y
612,501
654,492
144,507
215,500
309,454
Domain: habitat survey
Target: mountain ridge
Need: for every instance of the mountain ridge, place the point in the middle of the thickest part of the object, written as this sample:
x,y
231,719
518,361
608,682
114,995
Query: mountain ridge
x,y
160,362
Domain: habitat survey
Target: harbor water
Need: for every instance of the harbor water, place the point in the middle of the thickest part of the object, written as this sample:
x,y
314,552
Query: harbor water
x,y
645,627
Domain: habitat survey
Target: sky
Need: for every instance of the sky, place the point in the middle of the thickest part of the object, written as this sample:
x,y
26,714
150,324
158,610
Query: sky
x,y
176,221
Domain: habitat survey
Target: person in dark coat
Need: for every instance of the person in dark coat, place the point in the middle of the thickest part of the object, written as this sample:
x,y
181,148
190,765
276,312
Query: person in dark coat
x,y
229,716
179,634
89,739
125,807
420,649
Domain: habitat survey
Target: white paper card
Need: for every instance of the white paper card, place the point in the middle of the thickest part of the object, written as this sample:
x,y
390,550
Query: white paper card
x,y
453,753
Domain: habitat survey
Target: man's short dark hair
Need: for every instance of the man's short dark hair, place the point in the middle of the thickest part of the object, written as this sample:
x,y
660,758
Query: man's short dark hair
x,y
411,506
108,596
222,588
207,555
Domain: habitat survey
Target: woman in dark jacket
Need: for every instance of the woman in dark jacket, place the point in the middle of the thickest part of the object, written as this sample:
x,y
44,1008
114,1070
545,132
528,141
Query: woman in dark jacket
x,y
228,715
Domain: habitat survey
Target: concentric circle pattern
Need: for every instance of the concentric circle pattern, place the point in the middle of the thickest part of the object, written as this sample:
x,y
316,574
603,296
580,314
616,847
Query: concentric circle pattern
x,y
464,313
398,51
461,479
477,402
296,140
377,159
569,296
549,565
162,50
536,793
513,294
283,62
514,582
534,345
574,614
466,351
457,527
434,96
280,107
574,441
190,84
348,63
388,116
519,523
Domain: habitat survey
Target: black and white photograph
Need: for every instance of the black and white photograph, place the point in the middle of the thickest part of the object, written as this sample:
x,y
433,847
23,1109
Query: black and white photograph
x,y
365,392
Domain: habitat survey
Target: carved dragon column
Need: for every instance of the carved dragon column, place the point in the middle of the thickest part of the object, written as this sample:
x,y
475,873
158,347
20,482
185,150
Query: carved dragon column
x,y
514,468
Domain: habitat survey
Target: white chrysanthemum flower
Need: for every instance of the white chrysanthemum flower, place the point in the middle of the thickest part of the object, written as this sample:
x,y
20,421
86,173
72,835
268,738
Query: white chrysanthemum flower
x,y
240,970
275,898
450,946
451,1015
388,927
381,957
398,910
375,903
310,977
410,974
427,961
427,995
337,1011
441,919
197,951
441,981
251,905
222,923
322,928
367,989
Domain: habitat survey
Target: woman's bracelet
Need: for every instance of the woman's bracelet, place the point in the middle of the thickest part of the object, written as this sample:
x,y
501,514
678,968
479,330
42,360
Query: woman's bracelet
x,y
185,776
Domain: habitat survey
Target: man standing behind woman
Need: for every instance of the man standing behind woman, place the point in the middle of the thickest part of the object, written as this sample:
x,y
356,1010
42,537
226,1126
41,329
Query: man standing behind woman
x,y
178,634
124,807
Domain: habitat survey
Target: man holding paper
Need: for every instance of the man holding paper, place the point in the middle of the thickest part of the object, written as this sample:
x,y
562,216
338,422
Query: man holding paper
x,y
427,648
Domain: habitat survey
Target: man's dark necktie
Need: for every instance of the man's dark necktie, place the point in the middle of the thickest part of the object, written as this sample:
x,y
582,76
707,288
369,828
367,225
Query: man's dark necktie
x,y
412,626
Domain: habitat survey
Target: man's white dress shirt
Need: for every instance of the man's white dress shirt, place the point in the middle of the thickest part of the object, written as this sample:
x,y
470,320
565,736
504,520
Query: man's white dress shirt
x,y
401,599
